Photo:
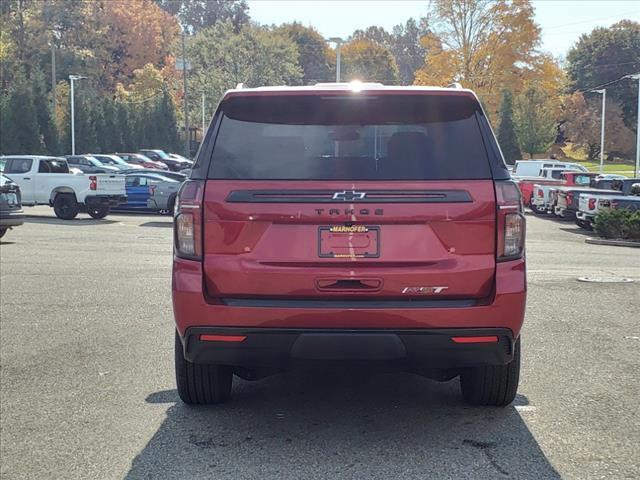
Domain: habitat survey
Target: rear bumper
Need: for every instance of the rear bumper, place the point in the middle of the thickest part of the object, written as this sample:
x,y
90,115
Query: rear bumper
x,y
585,217
100,200
425,332
282,348
11,218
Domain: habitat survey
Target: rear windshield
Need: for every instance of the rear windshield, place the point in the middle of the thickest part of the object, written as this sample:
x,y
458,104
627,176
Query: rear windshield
x,y
395,137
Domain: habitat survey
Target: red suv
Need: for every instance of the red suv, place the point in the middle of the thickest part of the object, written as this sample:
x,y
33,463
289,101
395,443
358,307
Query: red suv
x,y
349,223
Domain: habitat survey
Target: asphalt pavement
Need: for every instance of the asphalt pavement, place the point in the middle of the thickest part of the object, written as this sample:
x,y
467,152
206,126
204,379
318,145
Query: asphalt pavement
x,y
87,383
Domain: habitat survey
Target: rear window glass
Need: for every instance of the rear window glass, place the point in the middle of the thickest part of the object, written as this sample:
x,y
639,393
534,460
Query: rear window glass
x,y
400,137
53,166
18,165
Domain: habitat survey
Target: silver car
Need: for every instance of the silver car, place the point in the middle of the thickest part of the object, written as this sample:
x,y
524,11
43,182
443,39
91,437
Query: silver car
x,y
162,192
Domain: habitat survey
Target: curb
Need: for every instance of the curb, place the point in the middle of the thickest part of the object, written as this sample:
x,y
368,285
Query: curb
x,y
615,243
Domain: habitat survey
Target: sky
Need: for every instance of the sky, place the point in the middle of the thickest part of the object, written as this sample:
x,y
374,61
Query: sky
x,y
562,21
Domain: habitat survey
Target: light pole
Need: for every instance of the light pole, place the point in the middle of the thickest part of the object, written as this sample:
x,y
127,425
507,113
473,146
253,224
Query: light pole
x,y
603,92
338,41
187,145
637,168
73,78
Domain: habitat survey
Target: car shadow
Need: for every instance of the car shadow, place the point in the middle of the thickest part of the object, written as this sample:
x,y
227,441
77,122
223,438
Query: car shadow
x,y
339,424
157,224
579,231
76,222
4,242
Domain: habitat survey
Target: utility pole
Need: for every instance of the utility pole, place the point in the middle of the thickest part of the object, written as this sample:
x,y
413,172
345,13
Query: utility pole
x,y
73,78
203,125
338,41
603,92
53,78
637,167
187,146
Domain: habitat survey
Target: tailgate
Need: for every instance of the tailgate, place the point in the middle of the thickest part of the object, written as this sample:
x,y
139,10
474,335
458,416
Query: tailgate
x,y
108,184
330,239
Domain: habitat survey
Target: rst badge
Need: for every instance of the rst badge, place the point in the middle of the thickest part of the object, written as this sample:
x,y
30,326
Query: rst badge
x,y
423,290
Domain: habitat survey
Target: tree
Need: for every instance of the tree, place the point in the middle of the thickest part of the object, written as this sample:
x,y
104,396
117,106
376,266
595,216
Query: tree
x,y
254,57
125,138
535,125
137,33
86,118
368,61
312,50
42,105
20,127
197,15
483,44
506,131
165,123
605,55
583,122
407,48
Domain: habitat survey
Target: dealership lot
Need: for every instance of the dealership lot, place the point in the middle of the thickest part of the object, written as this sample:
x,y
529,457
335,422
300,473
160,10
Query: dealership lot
x,y
88,388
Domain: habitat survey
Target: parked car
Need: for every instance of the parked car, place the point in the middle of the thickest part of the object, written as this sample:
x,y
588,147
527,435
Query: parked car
x,y
48,181
548,176
180,158
591,204
148,191
567,198
532,168
11,214
142,161
114,161
295,243
89,164
179,176
162,156
540,190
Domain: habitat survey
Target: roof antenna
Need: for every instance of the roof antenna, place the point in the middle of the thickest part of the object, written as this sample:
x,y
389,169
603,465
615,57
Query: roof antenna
x,y
454,85
240,86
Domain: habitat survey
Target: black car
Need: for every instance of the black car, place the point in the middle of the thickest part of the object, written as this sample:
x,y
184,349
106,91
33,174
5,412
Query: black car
x,y
11,214
162,156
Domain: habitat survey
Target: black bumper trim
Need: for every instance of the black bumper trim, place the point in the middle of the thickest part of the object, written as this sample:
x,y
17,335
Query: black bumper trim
x,y
11,218
342,303
411,348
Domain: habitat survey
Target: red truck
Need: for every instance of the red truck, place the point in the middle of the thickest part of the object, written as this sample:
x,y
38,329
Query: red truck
x,y
551,176
347,223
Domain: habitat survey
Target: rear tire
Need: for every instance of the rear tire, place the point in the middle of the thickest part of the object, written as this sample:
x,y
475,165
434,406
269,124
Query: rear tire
x,y
65,206
201,384
99,212
492,385
171,204
535,209
584,225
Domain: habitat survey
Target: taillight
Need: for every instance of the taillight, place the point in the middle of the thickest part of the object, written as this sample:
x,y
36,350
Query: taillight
x,y
510,221
615,204
569,198
94,182
188,220
152,190
592,204
540,193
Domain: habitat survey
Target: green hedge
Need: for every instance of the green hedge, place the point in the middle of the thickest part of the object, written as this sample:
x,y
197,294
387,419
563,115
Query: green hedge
x,y
621,223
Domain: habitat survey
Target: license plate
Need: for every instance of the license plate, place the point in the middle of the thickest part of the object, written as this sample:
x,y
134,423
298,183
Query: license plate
x,y
349,241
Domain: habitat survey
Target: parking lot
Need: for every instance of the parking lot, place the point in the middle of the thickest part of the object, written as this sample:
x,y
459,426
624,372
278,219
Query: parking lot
x,y
88,388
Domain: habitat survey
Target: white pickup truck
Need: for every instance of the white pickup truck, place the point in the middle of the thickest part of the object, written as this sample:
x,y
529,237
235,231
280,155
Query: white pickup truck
x,y
48,181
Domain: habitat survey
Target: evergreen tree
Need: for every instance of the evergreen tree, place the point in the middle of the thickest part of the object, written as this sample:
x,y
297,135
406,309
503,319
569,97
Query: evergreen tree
x,y
124,135
506,131
42,105
20,125
6,142
86,141
166,121
111,140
